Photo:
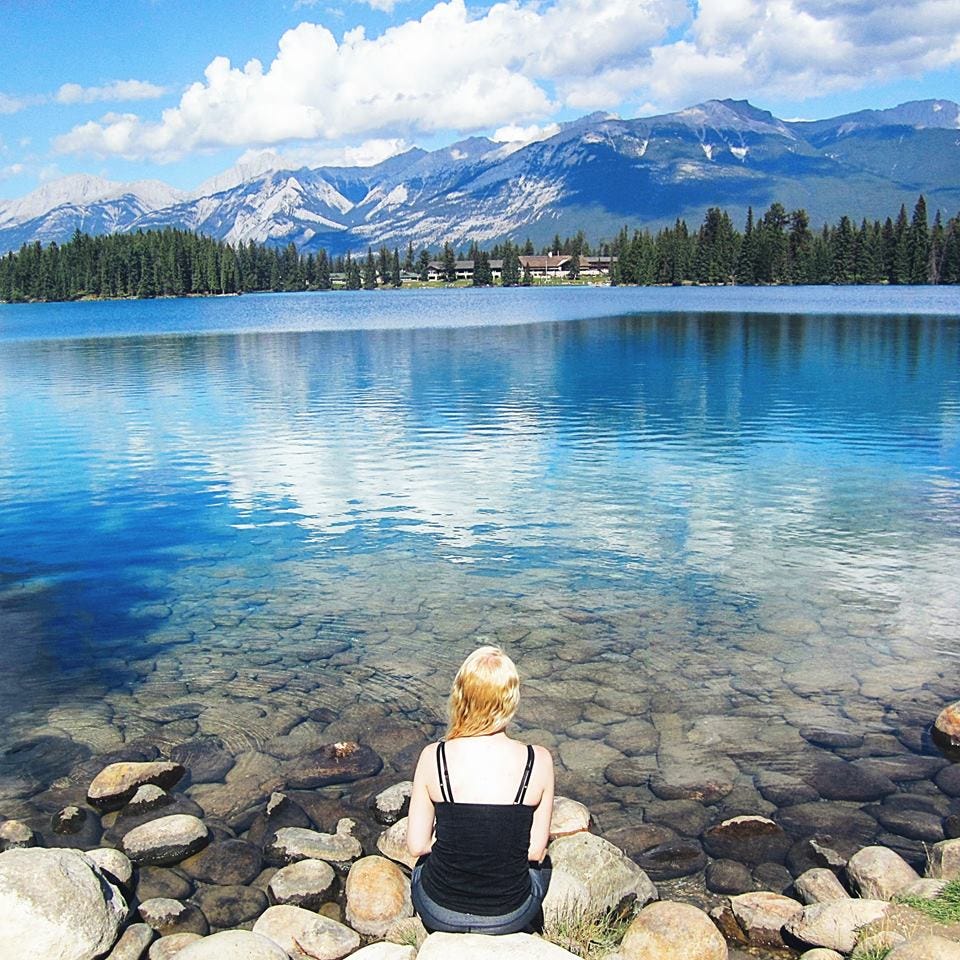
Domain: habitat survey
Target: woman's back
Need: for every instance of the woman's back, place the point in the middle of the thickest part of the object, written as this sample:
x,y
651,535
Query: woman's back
x,y
487,769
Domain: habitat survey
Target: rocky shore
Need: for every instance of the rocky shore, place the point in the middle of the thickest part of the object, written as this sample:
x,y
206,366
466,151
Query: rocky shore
x,y
144,857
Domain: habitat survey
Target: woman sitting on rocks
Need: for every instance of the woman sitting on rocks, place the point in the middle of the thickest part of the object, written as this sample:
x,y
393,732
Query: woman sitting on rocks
x,y
480,811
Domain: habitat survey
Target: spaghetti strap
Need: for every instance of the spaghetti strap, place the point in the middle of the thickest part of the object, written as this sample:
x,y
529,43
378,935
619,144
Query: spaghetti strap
x,y
446,791
525,779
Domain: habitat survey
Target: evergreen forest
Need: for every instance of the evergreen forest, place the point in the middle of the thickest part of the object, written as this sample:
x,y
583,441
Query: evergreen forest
x,y
778,247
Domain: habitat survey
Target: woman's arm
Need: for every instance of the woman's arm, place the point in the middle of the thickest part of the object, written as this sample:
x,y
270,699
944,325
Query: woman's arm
x,y
420,819
540,831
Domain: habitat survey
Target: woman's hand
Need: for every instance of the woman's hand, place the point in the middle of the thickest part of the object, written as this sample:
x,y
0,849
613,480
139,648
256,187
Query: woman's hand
x,y
420,819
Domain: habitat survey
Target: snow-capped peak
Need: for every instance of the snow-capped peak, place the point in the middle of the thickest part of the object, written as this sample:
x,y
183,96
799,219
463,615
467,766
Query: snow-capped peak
x,y
80,189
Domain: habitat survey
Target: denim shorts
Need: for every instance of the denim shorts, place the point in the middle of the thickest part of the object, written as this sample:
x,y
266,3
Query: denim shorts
x,y
527,917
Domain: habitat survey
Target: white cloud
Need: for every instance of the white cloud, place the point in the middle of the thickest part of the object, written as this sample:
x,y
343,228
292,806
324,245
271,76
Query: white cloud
x,y
449,70
796,49
117,90
516,134
10,104
365,154
12,170
518,61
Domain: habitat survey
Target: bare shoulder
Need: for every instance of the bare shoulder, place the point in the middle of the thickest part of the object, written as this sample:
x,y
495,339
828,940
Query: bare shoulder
x,y
428,755
542,754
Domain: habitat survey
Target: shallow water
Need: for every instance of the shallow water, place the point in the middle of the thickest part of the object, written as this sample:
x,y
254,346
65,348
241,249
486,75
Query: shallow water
x,y
698,533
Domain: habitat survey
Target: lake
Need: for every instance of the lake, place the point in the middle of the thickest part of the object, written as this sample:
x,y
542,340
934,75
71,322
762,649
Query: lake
x,y
718,530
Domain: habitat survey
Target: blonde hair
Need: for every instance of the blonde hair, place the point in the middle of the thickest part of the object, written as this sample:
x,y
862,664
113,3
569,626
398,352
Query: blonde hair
x,y
485,694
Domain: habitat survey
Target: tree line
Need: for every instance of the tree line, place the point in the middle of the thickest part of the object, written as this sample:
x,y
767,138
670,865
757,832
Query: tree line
x,y
779,247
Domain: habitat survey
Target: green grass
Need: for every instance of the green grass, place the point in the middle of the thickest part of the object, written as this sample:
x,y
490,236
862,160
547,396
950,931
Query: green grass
x,y
586,933
874,953
945,907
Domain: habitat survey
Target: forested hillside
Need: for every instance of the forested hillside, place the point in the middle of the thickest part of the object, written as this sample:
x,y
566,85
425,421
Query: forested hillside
x,y
778,247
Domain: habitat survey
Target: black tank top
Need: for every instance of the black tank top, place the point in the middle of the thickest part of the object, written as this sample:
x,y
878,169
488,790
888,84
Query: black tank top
x,y
478,863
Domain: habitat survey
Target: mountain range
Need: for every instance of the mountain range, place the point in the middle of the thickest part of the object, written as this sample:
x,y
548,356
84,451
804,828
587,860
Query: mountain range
x,y
595,174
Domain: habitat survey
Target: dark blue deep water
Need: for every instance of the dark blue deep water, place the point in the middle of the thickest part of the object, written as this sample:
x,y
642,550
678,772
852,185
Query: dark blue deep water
x,y
718,517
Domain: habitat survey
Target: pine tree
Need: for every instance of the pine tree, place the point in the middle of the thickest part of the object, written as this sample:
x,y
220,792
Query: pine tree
x,y
369,271
395,277
918,244
424,265
449,264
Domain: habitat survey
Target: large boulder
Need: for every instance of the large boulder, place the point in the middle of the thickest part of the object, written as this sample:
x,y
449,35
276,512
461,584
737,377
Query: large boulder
x,y
113,786
749,839
166,840
761,916
945,860
334,763
946,728
385,951
568,817
133,943
476,946
305,935
166,948
294,843
56,904
835,924
378,894
877,873
233,945
608,874
306,883
392,843
930,947
673,931
819,885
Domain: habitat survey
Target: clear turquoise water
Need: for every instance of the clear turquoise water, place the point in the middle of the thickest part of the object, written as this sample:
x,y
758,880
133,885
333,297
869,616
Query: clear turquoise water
x,y
705,510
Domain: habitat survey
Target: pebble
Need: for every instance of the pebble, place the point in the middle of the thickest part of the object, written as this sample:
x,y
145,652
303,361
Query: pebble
x,y
391,804
672,859
171,916
728,877
114,864
118,782
228,861
163,882
165,841
15,835
206,758
230,906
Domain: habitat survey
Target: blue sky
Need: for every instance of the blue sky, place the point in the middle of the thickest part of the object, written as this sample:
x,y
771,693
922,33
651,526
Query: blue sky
x,y
180,91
